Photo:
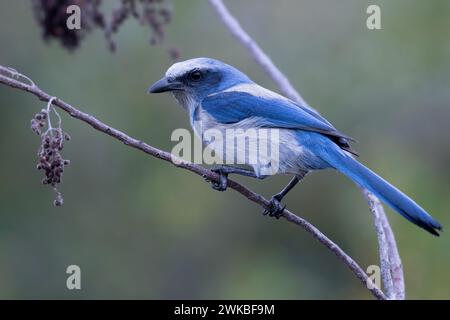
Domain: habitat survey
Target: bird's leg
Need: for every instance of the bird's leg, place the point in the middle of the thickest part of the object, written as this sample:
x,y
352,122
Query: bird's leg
x,y
275,208
224,171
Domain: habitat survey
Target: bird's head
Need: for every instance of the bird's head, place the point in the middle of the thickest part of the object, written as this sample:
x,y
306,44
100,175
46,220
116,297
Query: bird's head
x,y
199,78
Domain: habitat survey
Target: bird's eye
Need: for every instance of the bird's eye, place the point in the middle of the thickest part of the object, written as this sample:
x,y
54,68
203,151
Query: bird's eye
x,y
195,75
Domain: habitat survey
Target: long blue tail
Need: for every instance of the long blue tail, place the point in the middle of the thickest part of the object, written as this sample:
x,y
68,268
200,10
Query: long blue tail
x,y
393,197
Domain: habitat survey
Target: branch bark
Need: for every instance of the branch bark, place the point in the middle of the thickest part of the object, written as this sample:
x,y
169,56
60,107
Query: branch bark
x,y
13,79
391,265
385,265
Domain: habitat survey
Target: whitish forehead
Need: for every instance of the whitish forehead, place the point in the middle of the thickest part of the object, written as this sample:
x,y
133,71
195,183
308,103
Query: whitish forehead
x,y
182,67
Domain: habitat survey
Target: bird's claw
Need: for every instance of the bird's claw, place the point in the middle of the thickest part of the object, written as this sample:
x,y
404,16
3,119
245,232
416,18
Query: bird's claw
x,y
223,180
275,208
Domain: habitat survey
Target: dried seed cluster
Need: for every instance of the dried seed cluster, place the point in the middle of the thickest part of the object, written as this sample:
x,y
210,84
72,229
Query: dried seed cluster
x,y
52,17
50,160
38,122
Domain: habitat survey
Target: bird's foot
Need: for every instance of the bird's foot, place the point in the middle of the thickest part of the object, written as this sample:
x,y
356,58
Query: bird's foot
x,y
275,208
223,180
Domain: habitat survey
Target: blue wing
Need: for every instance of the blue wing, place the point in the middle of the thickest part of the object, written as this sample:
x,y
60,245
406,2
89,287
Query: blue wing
x,y
234,106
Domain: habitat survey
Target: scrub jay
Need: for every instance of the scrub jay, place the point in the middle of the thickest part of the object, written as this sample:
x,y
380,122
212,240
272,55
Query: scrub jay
x,y
218,96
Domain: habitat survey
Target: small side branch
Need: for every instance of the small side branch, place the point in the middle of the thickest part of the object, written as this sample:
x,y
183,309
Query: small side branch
x,y
9,79
386,240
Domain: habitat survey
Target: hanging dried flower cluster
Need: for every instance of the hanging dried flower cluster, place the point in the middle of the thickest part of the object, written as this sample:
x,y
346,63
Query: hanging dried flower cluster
x,y
50,160
52,16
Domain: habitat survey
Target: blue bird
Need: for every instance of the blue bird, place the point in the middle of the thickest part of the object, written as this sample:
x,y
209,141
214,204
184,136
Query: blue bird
x,y
218,96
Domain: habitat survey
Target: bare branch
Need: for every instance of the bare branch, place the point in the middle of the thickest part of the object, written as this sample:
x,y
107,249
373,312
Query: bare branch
x,y
393,281
204,172
386,239
394,257
386,276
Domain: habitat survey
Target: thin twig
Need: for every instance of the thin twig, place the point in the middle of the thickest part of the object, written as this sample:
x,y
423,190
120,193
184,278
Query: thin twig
x,y
386,239
204,172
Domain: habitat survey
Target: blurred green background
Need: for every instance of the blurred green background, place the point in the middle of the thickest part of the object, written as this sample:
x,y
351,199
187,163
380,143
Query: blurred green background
x,y
140,228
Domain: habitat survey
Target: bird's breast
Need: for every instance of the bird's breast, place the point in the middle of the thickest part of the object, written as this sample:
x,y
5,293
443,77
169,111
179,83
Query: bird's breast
x,y
268,150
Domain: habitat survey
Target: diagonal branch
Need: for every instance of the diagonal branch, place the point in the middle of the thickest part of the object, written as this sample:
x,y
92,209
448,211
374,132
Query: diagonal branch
x,y
11,78
389,256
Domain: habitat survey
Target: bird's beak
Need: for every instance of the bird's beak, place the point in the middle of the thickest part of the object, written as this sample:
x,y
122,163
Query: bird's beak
x,y
164,85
